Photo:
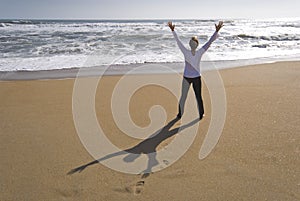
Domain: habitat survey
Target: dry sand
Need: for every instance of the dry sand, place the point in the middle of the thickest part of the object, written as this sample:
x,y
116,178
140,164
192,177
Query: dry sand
x,y
257,157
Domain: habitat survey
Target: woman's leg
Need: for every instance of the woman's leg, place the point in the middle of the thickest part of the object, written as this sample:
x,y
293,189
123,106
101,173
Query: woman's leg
x,y
184,91
197,86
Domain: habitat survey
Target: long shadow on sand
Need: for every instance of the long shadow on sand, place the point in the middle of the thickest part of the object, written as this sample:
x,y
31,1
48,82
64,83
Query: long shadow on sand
x,y
147,146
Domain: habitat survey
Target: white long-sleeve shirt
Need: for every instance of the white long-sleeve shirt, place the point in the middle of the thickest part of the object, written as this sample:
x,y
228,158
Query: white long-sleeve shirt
x,y
192,62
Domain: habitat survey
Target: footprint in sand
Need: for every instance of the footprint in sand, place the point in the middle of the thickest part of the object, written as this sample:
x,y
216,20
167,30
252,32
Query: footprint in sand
x,y
166,162
139,186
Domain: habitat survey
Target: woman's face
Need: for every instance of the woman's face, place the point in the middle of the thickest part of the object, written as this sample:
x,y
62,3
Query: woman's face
x,y
193,44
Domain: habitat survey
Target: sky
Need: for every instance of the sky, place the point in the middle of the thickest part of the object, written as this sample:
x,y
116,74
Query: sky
x,y
148,9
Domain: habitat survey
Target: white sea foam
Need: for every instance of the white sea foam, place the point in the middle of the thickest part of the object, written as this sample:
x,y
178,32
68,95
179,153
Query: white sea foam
x,y
48,44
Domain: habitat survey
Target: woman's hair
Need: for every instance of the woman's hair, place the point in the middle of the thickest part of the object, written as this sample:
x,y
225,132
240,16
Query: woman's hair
x,y
194,38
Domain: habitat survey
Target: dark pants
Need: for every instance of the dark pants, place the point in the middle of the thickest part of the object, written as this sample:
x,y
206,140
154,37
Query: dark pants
x,y
186,82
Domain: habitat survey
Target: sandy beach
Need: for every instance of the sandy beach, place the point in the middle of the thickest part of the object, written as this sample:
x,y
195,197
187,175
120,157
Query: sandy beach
x,y
256,158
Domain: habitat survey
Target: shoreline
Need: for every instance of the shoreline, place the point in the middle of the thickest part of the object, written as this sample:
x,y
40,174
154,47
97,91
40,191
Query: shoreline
x,y
121,69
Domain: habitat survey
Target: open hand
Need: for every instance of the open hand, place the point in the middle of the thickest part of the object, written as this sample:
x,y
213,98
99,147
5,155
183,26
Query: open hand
x,y
172,27
219,26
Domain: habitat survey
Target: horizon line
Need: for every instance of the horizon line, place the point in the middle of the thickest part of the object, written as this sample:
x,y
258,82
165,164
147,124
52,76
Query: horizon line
x,y
148,19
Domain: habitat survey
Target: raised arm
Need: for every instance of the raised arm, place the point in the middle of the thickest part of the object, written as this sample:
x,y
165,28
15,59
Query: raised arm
x,y
179,43
214,36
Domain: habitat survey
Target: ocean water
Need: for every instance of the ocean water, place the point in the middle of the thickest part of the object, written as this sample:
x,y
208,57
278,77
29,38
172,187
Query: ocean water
x,y
32,45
